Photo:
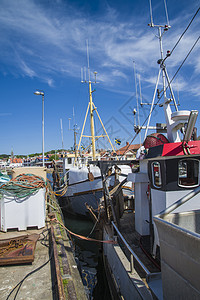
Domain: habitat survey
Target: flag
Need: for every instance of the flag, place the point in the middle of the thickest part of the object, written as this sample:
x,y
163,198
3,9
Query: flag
x,y
83,148
117,141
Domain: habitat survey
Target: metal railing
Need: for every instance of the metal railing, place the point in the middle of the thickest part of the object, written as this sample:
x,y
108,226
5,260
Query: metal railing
x,y
133,254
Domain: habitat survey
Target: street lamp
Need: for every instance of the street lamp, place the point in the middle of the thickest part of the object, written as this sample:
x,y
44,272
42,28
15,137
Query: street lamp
x,y
41,93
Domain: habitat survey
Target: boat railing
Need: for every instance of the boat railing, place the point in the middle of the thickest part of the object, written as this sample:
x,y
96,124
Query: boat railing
x,y
132,253
180,202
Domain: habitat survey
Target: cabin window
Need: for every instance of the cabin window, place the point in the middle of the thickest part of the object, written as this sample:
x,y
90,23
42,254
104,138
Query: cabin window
x,y
188,172
69,160
156,174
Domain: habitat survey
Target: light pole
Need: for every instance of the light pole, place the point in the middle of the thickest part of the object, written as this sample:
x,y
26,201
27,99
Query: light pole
x,y
38,92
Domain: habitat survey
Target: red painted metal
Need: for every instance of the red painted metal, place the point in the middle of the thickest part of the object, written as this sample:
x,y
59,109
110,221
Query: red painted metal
x,y
176,149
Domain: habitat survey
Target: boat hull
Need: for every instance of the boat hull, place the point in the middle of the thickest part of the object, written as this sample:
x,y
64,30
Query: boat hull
x,y
76,205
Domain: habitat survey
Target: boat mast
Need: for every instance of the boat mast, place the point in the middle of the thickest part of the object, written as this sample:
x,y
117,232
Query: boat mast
x,y
92,122
166,104
93,109
172,136
75,129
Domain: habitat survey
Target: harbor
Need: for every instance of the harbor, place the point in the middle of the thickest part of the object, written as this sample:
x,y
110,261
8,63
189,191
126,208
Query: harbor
x,y
112,210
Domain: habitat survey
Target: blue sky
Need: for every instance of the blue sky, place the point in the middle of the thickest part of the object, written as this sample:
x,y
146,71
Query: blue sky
x,y
43,46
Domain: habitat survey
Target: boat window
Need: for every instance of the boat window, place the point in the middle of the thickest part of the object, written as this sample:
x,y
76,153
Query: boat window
x,y
156,174
188,172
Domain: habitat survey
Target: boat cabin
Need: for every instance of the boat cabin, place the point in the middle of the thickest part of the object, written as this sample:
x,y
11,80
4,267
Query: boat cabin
x,y
160,182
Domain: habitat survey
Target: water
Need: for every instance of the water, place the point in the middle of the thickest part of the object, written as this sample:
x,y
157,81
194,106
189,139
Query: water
x,y
89,259
88,256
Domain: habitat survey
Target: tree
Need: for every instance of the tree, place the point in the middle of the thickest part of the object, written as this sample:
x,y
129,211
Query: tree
x,y
54,157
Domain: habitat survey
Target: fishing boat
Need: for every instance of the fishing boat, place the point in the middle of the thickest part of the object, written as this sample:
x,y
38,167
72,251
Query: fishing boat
x,y
81,186
155,249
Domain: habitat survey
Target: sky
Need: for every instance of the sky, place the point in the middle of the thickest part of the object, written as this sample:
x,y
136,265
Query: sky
x,y
43,45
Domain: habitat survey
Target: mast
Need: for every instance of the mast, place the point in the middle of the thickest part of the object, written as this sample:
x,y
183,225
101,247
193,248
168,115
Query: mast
x,y
166,104
92,121
61,127
75,129
93,109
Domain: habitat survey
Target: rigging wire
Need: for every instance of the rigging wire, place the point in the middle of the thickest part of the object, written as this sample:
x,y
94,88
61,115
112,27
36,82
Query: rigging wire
x,y
185,30
184,60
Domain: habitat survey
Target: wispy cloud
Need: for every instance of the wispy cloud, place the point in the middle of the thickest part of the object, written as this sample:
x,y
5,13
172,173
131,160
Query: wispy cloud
x,y
45,42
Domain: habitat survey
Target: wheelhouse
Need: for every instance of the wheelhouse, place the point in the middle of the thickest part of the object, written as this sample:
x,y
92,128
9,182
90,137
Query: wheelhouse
x,y
174,173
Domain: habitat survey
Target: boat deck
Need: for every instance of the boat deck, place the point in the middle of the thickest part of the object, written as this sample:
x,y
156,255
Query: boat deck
x,y
139,245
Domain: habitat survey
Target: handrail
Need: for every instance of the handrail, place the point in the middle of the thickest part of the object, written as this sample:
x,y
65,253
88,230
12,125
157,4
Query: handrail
x,y
130,250
179,202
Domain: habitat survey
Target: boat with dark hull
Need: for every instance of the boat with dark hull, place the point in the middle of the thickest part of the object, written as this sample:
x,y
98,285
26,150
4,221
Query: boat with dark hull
x,y
84,189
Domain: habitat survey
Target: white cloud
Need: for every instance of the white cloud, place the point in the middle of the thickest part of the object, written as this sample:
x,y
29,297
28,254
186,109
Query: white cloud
x,y
45,42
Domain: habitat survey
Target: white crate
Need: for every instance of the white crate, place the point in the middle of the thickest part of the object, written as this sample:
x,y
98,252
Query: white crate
x,y
22,213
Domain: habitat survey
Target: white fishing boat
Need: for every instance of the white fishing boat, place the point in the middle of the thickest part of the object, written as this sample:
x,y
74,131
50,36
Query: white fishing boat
x,y
156,254
81,185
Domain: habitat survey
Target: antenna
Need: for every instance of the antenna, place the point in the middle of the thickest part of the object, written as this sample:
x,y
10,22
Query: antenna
x,y
134,117
140,90
151,14
85,73
73,115
88,60
95,77
137,100
75,130
166,13
61,127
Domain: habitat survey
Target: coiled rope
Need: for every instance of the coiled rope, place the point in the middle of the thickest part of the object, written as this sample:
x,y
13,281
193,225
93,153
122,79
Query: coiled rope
x,y
23,185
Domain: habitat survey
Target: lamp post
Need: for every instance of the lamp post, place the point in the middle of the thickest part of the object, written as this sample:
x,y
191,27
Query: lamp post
x,y
41,93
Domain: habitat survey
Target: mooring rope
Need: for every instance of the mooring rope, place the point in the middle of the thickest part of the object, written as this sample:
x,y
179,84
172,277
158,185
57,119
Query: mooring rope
x,y
84,237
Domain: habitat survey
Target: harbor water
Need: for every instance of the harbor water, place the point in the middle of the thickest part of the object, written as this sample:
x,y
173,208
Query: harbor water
x,y
89,259
88,256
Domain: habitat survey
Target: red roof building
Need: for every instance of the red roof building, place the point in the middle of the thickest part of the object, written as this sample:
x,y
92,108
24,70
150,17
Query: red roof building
x,y
128,151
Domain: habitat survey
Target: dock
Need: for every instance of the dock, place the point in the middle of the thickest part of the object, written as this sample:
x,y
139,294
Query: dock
x,y
53,274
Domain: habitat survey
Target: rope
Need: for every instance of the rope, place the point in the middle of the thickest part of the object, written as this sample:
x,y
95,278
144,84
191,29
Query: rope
x,y
23,185
83,237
